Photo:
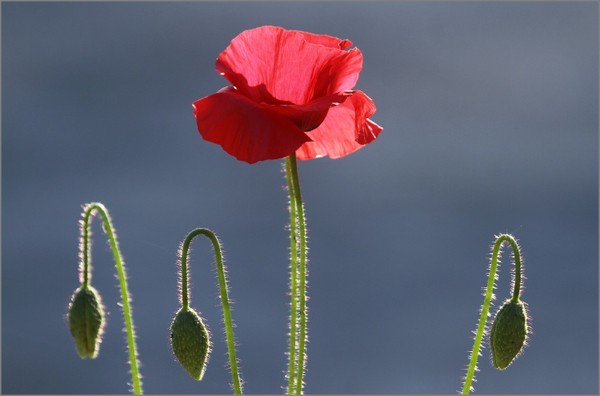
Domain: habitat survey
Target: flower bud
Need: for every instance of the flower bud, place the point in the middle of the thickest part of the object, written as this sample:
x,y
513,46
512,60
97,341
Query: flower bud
x,y
190,341
86,321
509,333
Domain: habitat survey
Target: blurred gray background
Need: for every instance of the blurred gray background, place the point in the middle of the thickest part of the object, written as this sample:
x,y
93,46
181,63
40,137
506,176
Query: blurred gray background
x,y
490,113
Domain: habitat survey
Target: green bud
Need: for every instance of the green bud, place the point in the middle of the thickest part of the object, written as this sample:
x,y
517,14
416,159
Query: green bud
x,y
509,333
190,342
86,321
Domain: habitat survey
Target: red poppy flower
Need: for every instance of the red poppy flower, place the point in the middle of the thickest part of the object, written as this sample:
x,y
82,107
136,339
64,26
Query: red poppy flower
x,y
291,92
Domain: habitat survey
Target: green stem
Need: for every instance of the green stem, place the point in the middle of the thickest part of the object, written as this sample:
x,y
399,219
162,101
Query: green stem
x,y
496,250
302,284
291,375
89,211
517,274
225,304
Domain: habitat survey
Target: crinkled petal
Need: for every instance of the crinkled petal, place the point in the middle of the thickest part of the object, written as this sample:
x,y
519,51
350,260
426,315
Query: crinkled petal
x,y
276,66
309,116
366,130
248,131
345,129
326,40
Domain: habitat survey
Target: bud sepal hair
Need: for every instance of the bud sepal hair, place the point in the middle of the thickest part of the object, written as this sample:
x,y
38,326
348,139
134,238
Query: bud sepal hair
x,y
509,333
86,321
190,341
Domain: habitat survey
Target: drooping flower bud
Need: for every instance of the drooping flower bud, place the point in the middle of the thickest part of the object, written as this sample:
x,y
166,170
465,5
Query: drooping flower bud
x,y
86,321
508,334
190,341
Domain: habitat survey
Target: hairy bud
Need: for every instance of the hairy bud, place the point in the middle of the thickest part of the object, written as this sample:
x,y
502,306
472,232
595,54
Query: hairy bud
x,y
86,321
509,333
190,341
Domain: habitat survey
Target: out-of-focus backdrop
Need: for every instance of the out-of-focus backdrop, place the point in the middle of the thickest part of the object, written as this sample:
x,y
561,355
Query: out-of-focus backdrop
x,y
490,113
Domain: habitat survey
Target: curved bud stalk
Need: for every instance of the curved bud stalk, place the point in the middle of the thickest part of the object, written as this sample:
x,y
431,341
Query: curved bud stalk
x,y
86,313
510,327
190,339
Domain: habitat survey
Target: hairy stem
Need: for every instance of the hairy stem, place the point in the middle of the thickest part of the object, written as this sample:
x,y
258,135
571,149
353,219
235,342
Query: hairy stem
x,y
291,375
89,211
302,281
224,294
496,250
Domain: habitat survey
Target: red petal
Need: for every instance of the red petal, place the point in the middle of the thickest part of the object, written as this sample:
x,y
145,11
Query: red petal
x,y
345,129
248,131
308,117
272,65
327,41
